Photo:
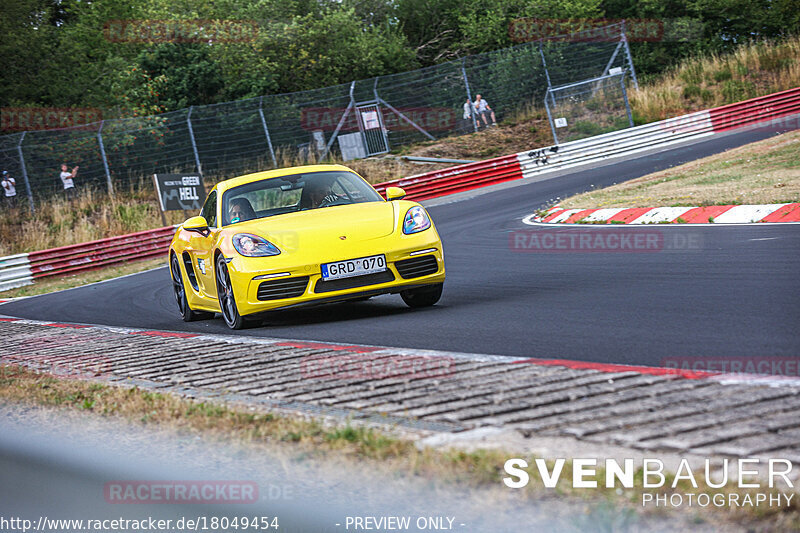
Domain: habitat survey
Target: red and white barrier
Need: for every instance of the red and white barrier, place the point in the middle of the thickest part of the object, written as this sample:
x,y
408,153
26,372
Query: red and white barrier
x,y
23,269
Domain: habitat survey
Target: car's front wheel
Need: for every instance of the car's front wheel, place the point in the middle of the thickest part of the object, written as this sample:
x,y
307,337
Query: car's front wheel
x,y
227,301
187,313
423,296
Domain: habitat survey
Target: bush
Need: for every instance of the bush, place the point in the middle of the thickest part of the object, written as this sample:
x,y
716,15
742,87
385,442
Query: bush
x,y
724,74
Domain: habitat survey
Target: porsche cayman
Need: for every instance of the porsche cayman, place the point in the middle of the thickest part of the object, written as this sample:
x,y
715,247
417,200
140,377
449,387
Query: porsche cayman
x,y
302,236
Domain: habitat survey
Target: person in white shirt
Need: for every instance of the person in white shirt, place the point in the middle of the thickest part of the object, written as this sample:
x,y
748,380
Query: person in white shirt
x,y
67,178
469,112
484,110
9,188
469,109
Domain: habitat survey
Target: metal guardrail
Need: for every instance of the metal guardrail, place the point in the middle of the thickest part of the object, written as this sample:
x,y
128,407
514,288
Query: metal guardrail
x,y
22,269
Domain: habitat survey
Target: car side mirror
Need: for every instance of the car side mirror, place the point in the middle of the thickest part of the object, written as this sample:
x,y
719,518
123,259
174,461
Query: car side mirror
x,y
197,224
395,193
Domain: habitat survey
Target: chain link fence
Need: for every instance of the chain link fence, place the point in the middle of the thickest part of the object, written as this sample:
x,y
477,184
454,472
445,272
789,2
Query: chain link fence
x,y
357,119
588,108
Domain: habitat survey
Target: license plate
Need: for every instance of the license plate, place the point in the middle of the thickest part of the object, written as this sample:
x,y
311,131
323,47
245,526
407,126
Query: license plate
x,y
353,267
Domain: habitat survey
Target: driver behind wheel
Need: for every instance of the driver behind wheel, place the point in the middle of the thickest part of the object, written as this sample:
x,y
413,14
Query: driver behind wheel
x,y
317,193
240,209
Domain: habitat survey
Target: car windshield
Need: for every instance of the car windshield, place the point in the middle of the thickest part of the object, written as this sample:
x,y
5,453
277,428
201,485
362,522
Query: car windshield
x,y
296,192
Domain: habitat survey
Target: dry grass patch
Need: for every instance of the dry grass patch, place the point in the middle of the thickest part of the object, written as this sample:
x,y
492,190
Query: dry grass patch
x,y
764,172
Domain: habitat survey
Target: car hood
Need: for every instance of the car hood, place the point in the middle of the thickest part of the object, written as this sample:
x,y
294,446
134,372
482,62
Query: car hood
x,y
325,226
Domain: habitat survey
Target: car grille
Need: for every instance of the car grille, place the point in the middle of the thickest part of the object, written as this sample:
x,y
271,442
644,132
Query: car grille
x,y
417,267
278,289
355,281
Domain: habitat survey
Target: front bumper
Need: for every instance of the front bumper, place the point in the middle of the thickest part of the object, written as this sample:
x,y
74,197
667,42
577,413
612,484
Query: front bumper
x,y
418,261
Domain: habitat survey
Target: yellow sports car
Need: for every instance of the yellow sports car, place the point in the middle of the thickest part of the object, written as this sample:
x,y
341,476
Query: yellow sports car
x,y
301,236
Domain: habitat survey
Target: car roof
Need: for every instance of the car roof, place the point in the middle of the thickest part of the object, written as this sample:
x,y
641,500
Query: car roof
x,y
222,186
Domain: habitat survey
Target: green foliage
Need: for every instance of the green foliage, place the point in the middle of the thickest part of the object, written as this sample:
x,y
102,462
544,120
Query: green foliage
x,y
56,53
737,90
691,91
724,74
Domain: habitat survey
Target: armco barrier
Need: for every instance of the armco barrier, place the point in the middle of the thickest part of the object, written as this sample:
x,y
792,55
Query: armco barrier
x,y
22,269
617,144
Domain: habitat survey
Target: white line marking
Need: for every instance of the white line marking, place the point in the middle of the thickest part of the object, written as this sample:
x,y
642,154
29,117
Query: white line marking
x,y
603,214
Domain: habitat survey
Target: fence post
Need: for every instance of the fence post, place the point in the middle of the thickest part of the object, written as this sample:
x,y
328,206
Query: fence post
x,y
550,116
378,101
625,97
628,55
194,144
266,130
469,96
544,64
103,155
350,106
25,173
614,55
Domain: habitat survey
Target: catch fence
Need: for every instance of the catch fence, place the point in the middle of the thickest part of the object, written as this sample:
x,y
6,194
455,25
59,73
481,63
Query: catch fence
x,y
351,120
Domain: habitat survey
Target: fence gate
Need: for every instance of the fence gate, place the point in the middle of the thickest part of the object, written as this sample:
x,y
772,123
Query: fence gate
x,y
370,122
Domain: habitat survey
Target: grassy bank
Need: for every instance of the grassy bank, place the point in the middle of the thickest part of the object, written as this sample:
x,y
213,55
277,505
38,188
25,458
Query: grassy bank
x,y
764,172
704,82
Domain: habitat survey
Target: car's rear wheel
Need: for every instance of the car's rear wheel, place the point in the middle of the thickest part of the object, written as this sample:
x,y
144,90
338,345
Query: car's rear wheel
x,y
227,301
423,296
187,313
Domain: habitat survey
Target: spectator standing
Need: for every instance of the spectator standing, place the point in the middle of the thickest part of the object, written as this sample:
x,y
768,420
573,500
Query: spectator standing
x,y
67,178
484,110
469,112
9,188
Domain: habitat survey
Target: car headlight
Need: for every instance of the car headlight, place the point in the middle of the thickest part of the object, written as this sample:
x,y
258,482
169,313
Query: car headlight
x,y
250,245
416,220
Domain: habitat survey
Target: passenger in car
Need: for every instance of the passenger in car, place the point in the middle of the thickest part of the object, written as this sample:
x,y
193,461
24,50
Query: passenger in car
x,y
240,210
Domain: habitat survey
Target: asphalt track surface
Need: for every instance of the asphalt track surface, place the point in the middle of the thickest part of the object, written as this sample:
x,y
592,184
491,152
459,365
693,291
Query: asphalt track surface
x,y
723,292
